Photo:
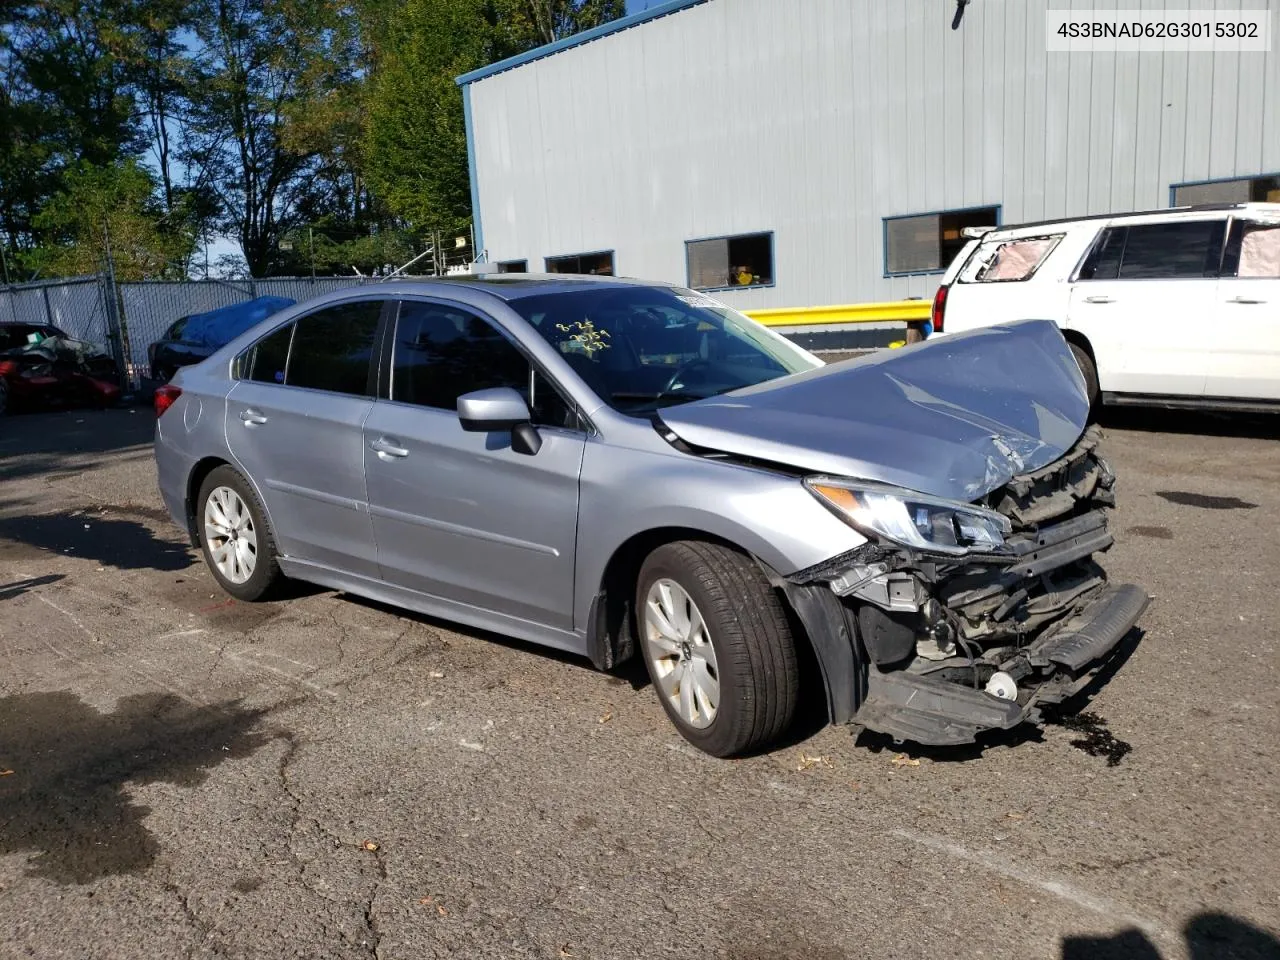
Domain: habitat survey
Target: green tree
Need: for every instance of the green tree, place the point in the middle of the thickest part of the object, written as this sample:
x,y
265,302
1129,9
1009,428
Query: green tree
x,y
258,66
415,136
110,211
64,99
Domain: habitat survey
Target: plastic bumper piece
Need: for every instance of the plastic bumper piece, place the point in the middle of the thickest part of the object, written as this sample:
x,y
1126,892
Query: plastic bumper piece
x,y
925,710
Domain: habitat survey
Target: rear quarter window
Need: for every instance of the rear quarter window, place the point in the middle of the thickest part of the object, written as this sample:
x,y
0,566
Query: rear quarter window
x,y
1009,261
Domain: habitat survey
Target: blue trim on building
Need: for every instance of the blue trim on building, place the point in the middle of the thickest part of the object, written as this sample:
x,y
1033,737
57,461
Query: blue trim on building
x,y
884,235
479,252
1173,187
586,36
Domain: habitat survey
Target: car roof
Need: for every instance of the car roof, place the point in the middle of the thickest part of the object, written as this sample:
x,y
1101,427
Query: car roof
x,y
516,286
1147,216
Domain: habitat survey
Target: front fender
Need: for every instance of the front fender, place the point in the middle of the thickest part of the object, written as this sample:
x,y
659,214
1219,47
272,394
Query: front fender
x,y
627,492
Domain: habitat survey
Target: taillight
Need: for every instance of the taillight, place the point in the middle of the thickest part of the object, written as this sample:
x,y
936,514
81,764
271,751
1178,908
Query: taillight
x,y
939,308
166,396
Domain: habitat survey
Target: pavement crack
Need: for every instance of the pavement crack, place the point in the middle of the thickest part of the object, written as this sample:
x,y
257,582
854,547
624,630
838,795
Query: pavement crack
x,y
217,661
204,927
370,914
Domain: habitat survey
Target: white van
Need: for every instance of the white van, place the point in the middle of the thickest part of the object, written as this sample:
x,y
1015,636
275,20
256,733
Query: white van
x,y
1173,308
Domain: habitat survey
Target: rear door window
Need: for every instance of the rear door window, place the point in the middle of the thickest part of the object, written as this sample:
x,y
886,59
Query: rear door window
x,y
333,349
266,360
1179,250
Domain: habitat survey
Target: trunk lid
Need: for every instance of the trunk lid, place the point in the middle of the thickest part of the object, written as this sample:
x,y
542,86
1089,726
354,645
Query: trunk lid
x,y
956,417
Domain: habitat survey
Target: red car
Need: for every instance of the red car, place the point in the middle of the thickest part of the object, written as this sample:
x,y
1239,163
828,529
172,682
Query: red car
x,y
41,367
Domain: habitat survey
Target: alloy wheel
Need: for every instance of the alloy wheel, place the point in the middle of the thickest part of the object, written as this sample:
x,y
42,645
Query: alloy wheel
x,y
230,534
679,649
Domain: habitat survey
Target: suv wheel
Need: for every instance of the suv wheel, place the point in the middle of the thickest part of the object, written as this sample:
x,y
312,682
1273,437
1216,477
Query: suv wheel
x,y
1090,371
717,645
237,542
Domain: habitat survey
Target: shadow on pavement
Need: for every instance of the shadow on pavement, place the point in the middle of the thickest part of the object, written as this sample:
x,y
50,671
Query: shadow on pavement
x,y
1209,936
64,765
71,441
18,587
1154,420
124,544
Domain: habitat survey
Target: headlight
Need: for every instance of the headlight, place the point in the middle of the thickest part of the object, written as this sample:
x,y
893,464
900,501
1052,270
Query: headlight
x,y
912,519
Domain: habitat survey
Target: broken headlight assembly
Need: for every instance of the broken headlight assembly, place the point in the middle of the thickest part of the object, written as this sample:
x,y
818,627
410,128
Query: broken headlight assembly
x,y
912,520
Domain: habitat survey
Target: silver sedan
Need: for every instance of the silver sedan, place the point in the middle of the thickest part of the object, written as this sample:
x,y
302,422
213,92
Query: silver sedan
x,y
610,467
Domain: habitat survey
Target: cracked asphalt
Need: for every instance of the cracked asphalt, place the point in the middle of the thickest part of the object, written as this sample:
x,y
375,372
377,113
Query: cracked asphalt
x,y
184,775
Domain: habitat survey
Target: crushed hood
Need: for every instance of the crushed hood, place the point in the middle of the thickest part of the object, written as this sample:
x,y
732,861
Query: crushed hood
x,y
956,416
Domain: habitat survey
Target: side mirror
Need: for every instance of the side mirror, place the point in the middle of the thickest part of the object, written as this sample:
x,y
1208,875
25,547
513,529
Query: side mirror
x,y
500,409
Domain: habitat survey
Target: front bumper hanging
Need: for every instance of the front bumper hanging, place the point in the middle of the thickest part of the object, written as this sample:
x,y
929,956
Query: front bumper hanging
x,y
949,647
918,707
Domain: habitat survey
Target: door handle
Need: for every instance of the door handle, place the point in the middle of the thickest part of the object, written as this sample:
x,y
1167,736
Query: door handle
x,y
1245,300
251,417
386,447
1098,300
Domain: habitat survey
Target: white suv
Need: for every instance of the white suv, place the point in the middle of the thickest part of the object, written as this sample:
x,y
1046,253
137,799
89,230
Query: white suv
x,y
1175,308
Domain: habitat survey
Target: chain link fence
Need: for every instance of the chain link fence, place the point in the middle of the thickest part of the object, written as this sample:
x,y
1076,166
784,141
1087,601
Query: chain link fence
x,y
129,317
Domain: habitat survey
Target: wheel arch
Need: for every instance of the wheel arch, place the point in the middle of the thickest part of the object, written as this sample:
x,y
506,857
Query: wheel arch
x,y
819,625
195,479
1081,341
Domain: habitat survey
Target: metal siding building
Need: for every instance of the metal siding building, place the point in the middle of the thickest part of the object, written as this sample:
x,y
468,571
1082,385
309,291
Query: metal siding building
x,y
817,119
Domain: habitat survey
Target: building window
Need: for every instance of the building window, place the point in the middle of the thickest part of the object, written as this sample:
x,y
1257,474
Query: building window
x,y
1242,190
741,261
600,264
513,266
928,242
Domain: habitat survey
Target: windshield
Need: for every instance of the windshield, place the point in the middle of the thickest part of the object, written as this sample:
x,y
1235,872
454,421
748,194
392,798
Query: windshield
x,y
641,348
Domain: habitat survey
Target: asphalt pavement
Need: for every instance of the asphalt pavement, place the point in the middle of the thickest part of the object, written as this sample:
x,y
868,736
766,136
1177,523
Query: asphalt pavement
x,y
184,775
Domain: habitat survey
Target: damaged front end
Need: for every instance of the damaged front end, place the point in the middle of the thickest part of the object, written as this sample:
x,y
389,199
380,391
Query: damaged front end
x,y
973,619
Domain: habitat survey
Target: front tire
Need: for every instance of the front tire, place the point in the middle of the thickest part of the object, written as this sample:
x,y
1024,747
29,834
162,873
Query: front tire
x,y
717,645
234,534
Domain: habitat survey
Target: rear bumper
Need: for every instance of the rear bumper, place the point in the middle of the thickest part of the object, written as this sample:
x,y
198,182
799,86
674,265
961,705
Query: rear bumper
x,y
915,706
173,468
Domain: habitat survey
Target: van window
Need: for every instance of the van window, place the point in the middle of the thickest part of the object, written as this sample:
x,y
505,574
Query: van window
x,y
1009,260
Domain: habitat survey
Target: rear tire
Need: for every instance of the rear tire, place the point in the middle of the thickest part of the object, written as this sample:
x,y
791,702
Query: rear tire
x,y
751,664
1090,371
237,541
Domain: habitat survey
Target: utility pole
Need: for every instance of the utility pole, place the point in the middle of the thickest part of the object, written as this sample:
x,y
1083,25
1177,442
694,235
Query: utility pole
x,y
4,261
311,242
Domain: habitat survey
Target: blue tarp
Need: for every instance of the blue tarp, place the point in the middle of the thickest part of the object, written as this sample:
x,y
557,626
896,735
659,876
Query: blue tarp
x,y
221,326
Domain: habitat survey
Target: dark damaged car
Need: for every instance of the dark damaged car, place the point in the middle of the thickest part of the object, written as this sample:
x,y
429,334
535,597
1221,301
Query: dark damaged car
x,y
615,468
